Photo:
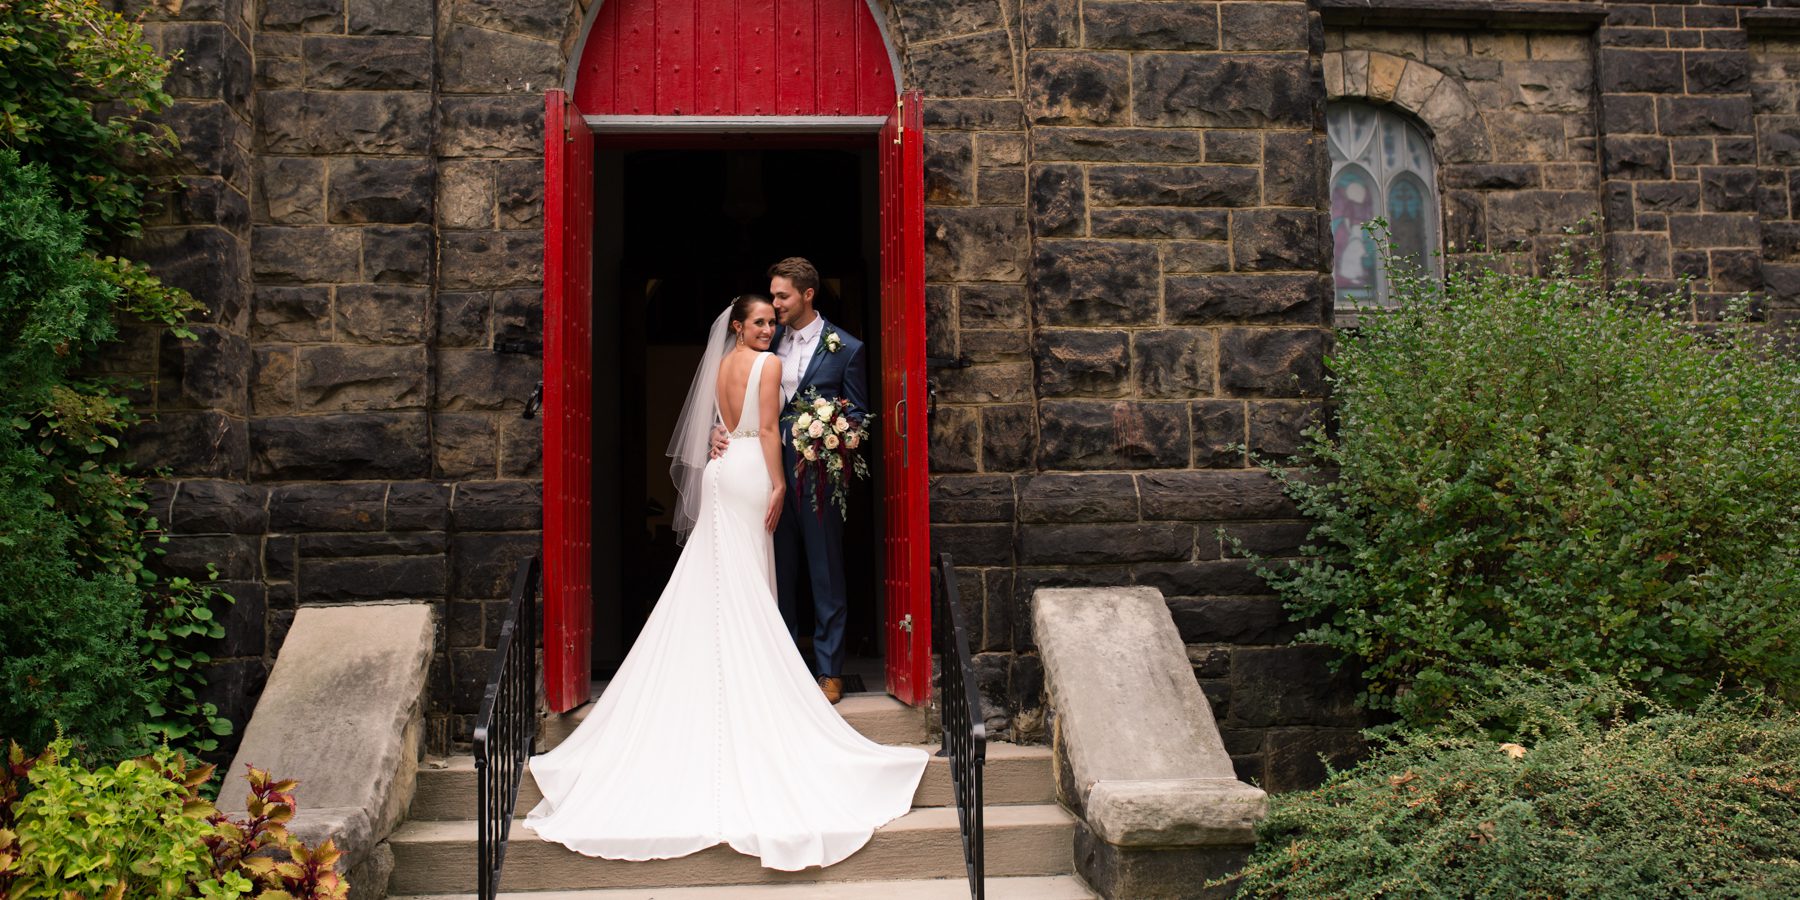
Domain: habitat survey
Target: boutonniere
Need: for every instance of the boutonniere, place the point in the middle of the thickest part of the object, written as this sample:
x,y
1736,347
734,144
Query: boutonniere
x,y
833,343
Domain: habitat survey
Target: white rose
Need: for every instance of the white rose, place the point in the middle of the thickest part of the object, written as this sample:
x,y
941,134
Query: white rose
x,y
816,429
852,441
821,403
804,420
831,442
811,454
841,425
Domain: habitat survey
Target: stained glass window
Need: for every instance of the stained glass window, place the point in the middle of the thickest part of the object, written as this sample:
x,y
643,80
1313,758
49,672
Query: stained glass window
x,y
1381,167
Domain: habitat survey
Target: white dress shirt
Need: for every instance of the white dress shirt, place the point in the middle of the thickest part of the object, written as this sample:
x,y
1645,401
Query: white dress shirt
x,y
797,348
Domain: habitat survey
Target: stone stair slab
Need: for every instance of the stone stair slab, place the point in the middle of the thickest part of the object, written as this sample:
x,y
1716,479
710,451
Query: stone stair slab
x,y
1030,840
1051,887
1014,774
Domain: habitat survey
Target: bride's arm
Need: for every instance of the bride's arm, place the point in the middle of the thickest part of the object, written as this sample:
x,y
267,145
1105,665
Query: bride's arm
x,y
769,432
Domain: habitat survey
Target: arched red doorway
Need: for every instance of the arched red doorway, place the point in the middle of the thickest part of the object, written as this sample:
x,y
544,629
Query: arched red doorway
x,y
710,73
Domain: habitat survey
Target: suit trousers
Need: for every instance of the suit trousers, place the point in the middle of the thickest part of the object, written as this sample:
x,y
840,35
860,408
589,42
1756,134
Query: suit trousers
x,y
818,539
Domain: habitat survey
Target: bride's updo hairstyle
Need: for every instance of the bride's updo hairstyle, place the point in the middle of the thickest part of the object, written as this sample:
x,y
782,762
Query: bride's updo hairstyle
x,y
740,312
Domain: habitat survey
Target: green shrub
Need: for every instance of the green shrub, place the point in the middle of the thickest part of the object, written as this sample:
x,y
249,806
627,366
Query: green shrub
x,y
1601,793
89,637
141,829
77,79
1541,472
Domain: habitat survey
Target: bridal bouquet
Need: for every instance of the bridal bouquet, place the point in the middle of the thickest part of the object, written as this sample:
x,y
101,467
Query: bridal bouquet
x,y
827,439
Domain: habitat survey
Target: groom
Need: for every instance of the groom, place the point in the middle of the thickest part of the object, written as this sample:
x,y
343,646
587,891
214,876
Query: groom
x,y
814,355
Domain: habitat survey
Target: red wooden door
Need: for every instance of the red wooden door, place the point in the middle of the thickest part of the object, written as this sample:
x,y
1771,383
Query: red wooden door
x,y
568,402
907,540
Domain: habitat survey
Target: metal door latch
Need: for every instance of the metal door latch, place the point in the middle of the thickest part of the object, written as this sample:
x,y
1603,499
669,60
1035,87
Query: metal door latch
x,y
534,402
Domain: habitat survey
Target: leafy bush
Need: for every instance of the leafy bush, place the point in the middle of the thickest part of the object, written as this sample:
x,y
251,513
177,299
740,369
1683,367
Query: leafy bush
x,y
78,79
89,637
1543,472
140,829
1601,793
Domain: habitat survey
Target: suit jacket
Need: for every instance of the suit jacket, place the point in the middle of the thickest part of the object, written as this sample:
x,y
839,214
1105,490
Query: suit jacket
x,y
839,374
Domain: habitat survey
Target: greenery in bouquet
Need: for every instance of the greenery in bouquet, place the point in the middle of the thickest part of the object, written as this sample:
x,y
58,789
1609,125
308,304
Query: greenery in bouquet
x,y
827,435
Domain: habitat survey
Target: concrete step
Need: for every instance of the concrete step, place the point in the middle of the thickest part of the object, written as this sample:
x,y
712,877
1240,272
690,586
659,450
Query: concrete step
x,y
439,857
1053,887
1013,774
879,717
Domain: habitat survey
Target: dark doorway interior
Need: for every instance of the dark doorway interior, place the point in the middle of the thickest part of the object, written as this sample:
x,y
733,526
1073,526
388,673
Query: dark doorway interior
x,y
681,232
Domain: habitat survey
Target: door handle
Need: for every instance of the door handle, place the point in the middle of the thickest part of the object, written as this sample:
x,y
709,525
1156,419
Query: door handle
x,y
900,424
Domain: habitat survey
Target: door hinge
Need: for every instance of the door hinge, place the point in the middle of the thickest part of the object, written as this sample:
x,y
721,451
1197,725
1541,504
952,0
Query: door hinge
x,y
899,118
906,623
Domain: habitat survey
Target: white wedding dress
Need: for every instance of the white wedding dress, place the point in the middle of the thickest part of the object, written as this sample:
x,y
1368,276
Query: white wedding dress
x,y
713,731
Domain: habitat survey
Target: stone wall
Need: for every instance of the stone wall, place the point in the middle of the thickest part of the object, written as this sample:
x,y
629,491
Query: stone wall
x,y
1126,238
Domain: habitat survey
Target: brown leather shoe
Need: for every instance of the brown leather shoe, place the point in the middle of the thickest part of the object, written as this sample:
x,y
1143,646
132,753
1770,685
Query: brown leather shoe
x,y
833,688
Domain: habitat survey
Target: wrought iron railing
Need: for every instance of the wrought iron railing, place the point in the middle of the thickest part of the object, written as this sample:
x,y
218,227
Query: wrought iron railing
x,y
965,733
506,729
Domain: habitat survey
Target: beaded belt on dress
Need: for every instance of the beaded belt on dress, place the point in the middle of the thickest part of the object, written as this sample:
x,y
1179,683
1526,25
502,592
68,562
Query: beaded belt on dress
x,y
744,432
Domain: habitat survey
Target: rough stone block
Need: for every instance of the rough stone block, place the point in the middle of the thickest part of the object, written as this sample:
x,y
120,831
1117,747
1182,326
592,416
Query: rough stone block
x,y
1000,187
949,114
1185,257
202,506
1009,437
1276,426
382,314
1296,757
392,16
380,190
211,371
199,444
955,439
368,63
1053,23
1294,165
374,578
975,244
482,380
991,306
1058,201
1093,434
491,126
1070,87
290,191
354,506
1230,91
353,445
1704,115
1082,282
291,313
1153,223
1284,299
976,545
1082,362
339,378
1108,544
521,448
302,15
478,60
1155,874
490,259
1264,26
949,168
1630,71
1219,434
311,254
975,65
1213,616
483,564
971,498
418,506
1215,186
1259,362
374,123
1173,363
1278,239
1057,499
498,506
1009,383
400,254
1137,25
1291,686
1115,144
1213,496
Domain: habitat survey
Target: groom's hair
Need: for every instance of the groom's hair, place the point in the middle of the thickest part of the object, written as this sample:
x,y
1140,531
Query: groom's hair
x,y
797,270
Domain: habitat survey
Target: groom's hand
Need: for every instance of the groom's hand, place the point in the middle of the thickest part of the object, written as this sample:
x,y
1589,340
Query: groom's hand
x,y
720,440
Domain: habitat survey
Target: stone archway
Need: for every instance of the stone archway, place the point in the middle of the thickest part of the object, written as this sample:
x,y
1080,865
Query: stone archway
x,y
1438,101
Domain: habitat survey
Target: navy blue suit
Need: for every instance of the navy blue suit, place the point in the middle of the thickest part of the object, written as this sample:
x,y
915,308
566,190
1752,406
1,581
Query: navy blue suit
x,y
803,533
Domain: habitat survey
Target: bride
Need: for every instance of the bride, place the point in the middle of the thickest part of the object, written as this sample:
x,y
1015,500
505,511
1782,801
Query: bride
x,y
713,731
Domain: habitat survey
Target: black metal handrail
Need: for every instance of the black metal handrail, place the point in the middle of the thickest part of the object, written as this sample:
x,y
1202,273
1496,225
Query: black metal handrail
x,y
506,728
965,733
